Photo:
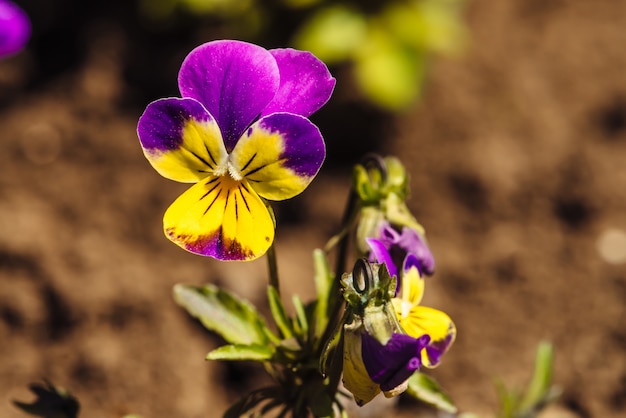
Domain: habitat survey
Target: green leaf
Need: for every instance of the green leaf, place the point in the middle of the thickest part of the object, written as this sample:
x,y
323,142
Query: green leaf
x,y
254,352
235,319
538,391
51,402
387,72
320,33
331,359
427,390
301,316
323,283
278,312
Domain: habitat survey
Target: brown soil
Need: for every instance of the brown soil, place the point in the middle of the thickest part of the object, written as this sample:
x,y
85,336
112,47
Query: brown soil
x,y
517,154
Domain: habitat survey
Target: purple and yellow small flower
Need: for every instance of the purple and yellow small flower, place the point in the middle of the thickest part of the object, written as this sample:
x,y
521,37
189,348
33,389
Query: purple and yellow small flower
x,y
371,366
14,28
379,356
392,247
240,132
417,320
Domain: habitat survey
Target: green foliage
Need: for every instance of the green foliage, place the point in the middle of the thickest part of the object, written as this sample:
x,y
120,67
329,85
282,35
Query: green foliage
x,y
235,319
254,352
427,390
387,46
537,394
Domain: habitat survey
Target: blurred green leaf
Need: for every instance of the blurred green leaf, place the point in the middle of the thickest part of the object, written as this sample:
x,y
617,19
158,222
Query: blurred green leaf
x,y
323,281
538,393
389,73
301,319
236,320
427,390
51,402
539,390
332,34
254,352
427,25
278,312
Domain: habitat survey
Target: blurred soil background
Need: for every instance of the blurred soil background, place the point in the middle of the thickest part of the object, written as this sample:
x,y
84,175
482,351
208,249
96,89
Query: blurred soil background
x,y
517,151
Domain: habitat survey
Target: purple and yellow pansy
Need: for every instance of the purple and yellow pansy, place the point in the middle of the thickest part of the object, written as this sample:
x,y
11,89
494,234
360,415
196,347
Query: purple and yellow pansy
x,y
392,247
417,320
377,361
240,132
371,366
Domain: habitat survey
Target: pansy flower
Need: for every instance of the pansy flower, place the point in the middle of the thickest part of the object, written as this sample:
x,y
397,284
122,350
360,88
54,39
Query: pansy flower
x,y
372,366
417,320
240,132
14,28
392,248
378,355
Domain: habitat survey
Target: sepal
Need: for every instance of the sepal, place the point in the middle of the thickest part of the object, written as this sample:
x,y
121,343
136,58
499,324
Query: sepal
x,y
378,177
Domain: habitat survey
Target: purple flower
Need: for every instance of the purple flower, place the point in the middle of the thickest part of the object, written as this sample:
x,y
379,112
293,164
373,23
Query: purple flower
x,y
392,247
371,366
390,365
240,132
14,28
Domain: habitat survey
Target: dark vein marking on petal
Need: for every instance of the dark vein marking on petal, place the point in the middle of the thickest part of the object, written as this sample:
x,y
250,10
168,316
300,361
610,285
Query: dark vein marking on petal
x,y
280,162
201,159
256,169
236,207
211,204
211,189
248,163
210,155
244,187
244,198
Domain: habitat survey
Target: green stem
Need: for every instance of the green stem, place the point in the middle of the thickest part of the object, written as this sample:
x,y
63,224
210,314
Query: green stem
x,y
272,268
335,301
334,296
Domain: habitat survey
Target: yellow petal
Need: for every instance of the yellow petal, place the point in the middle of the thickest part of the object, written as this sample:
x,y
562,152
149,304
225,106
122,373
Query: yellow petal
x,y
355,376
437,324
221,218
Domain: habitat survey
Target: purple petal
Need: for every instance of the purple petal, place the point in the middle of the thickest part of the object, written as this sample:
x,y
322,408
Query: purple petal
x,y
305,83
436,349
279,155
388,235
234,80
415,244
161,126
380,254
391,364
412,261
409,241
14,28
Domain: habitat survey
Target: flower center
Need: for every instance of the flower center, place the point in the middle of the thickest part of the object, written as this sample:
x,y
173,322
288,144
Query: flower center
x,y
227,167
